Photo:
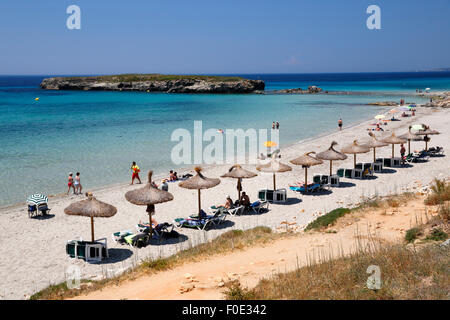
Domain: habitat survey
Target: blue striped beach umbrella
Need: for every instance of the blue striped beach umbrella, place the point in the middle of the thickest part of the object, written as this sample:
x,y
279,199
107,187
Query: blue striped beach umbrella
x,y
37,199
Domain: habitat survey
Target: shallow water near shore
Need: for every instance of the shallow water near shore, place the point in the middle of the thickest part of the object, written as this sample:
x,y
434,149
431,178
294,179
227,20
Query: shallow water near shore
x,y
100,133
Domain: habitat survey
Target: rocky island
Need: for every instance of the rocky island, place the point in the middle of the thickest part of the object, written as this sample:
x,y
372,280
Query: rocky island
x,y
156,83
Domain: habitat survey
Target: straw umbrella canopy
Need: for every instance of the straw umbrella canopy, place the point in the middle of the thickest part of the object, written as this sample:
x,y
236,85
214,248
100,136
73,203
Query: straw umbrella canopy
x,y
199,182
148,196
375,143
410,136
239,173
393,139
426,133
306,161
354,149
274,166
91,207
331,155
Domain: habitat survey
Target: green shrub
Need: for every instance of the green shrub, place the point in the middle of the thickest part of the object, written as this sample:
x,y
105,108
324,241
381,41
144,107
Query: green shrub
x,y
327,219
412,234
437,235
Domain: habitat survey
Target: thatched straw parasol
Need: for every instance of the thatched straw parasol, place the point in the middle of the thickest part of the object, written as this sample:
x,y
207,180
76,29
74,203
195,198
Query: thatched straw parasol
x,y
331,155
91,207
199,182
354,149
375,143
427,132
148,196
274,166
239,173
393,139
306,161
410,136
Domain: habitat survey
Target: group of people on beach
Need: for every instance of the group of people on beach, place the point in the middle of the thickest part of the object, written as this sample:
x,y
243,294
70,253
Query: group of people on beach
x,y
74,183
275,125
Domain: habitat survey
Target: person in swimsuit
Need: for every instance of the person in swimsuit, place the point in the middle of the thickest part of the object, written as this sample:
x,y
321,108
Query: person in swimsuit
x,y
77,184
135,174
340,124
277,124
70,183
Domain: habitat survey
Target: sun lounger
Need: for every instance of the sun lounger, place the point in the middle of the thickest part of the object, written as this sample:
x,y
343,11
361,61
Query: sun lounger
x,y
138,240
119,236
312,188
435,151
161,231
89,251
232,212
417,157
203,223
259,206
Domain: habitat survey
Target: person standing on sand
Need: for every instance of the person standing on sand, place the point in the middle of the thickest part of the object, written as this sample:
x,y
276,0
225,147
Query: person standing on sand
x,y
70,183
273,125
135,174
402,152
340,124
77,184
278,125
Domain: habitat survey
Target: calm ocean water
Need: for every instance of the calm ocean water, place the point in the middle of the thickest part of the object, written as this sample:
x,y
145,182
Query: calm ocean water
x,y
100,133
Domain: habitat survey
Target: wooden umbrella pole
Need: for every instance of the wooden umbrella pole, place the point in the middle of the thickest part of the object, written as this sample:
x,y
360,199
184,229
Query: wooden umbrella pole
x,y
199,203
274,183
392,150
150,224
409,146
306,179
354,160
92,229
374,156
239,186
331,168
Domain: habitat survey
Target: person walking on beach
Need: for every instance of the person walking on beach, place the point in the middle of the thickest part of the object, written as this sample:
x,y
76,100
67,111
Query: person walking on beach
x,y
273,125
278,125
70,183
77,184
340,124
135,175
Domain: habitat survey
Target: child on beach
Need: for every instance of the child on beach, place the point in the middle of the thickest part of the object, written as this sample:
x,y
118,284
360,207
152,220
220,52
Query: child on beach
x,y
70,183
340,124
77,184
135,174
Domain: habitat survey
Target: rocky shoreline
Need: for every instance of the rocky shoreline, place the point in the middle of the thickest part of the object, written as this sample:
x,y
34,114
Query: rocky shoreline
x,y
180,85
439,100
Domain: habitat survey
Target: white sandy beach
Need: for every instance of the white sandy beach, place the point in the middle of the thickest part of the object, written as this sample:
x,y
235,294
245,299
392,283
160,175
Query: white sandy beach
x,y
33,250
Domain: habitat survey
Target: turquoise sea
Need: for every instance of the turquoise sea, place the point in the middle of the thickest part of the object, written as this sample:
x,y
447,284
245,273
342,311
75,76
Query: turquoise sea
x,y
101,133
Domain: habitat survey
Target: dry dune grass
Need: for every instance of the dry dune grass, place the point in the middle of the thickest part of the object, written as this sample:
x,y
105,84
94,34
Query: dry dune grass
x,y
405,274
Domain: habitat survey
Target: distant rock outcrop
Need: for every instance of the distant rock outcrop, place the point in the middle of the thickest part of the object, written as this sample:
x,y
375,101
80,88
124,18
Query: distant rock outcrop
x,y
442,100
311,89
156,83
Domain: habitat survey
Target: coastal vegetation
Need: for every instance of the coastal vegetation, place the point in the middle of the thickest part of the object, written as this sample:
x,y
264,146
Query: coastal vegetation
x,y
405,274
131,77
417,269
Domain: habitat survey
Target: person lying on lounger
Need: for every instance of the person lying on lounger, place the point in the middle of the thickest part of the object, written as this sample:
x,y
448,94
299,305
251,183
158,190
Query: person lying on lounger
x,y
227,205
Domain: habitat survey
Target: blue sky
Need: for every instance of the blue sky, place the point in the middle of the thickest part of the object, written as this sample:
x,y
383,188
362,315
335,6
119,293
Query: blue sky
x,y
199,36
